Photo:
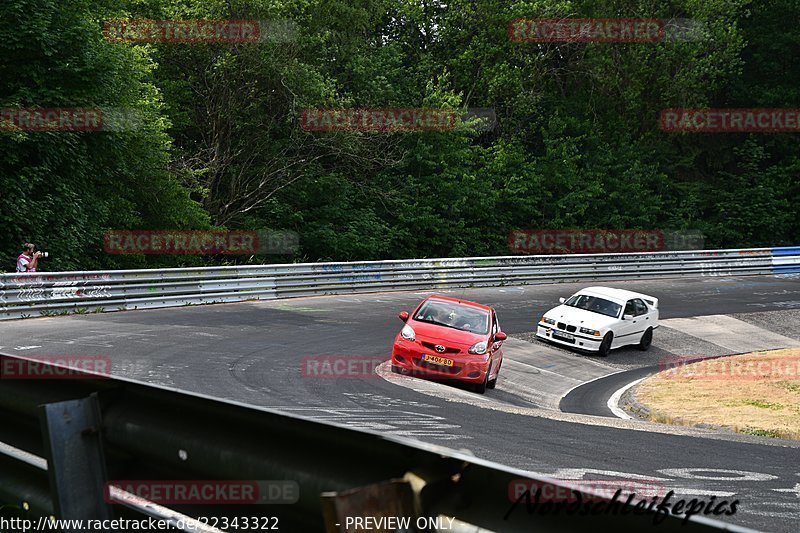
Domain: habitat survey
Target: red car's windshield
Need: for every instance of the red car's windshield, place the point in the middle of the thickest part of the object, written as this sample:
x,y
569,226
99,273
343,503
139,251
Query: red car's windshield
x,y
453,315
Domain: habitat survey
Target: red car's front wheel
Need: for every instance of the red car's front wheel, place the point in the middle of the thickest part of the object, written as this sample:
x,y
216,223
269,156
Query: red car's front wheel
x,y
493,383
481,387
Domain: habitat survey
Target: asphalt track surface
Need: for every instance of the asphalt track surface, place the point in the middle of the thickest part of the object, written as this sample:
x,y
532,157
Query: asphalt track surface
x,y
591,399
252,352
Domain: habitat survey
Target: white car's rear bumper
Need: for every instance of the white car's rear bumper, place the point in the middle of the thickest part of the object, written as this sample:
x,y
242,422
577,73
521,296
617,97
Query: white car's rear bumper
x,y
580,341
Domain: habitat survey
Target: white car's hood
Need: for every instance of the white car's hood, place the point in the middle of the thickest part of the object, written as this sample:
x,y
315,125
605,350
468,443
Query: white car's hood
x,y
580,317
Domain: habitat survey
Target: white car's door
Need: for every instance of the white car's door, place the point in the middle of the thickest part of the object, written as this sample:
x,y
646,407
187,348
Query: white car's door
x,y
646,314
625,330
639,319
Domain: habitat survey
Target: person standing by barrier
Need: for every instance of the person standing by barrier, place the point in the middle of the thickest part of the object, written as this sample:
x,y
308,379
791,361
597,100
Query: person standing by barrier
x,y
28,259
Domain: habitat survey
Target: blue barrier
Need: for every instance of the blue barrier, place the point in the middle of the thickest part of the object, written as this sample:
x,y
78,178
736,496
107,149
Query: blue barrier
x,y
786,260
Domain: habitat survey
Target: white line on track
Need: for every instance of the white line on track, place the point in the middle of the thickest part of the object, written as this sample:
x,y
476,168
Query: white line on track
x,y
582,383
795,490
687,491
613,402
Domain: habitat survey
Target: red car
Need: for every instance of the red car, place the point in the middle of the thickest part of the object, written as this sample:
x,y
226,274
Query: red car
x,y
447,338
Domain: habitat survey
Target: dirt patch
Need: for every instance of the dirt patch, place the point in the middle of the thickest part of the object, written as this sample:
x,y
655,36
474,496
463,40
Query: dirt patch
x,y
756,393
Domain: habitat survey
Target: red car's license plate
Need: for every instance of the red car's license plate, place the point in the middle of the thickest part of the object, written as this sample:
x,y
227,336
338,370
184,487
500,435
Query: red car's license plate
x,y
435,359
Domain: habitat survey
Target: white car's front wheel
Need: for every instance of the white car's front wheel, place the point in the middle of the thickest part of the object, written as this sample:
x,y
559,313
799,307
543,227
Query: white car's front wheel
x,y
605,346
646,340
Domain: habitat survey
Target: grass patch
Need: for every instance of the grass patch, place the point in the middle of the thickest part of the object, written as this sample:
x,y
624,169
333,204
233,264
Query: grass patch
x,y
755,394
761,433
763,405
792,386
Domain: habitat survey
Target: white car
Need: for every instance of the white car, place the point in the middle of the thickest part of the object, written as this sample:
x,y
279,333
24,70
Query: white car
x,y
597,319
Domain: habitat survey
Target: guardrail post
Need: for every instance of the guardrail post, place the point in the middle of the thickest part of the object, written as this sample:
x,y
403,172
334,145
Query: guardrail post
x,y
393,498
75,460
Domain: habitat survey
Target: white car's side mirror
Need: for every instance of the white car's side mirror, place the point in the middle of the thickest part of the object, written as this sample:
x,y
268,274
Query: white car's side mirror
x,y
562,299
627,317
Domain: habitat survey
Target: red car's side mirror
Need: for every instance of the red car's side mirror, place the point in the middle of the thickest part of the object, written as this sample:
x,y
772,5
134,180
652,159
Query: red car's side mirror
x,y
403,316
500,336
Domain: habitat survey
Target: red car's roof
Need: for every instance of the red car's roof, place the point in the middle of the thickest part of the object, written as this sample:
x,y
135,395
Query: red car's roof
x,y
458,301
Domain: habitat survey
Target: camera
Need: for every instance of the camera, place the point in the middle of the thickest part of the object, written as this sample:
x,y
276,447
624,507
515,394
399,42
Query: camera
x,y
45,254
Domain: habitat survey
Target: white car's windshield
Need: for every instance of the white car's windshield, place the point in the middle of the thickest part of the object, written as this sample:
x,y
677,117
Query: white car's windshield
x,y
454,316
594,304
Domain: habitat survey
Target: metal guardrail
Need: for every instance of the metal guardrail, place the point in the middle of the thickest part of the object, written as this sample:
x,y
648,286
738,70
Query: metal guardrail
x,y
27,295
62,441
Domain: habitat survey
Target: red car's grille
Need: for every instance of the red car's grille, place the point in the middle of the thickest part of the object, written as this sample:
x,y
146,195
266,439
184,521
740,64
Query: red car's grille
x,y
432,346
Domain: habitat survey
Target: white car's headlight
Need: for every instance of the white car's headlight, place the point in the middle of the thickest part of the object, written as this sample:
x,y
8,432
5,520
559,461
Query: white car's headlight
x,y
478,348
408,333
548,321
590,332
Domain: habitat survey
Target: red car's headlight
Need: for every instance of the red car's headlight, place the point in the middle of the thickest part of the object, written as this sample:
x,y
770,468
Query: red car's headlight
x,y
479,348
408,333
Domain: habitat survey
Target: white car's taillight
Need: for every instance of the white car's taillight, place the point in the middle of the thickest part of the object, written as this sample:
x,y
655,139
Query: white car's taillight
x,y
478,348
408,333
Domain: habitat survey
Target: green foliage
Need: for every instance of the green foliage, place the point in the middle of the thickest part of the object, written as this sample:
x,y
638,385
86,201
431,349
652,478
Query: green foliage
x,y
63,190
577,142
